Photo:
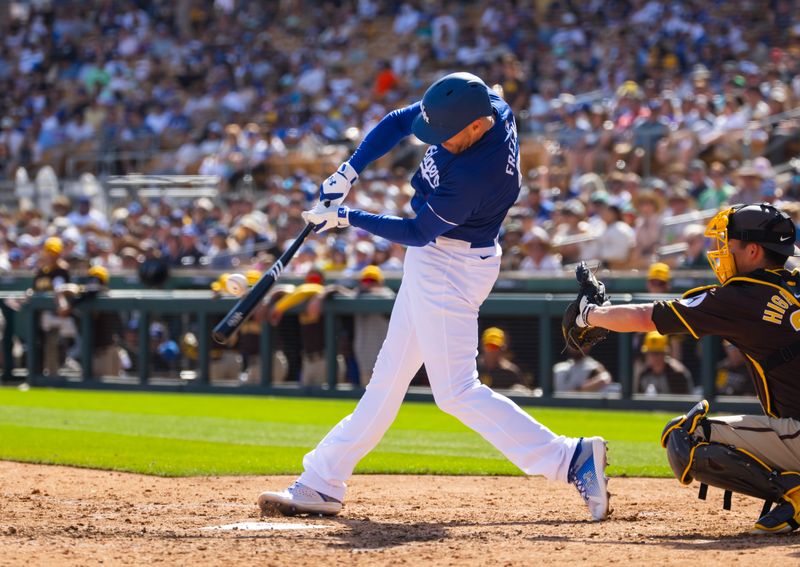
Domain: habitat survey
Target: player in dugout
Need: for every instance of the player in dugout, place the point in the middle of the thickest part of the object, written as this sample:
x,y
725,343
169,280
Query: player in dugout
x,y
756,307
468,179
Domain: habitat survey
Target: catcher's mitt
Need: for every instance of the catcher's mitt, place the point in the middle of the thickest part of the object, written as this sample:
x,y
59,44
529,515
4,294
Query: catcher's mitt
x,y
593,292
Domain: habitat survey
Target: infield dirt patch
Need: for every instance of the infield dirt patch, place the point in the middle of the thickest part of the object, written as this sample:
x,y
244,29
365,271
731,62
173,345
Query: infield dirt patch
x,y
67,516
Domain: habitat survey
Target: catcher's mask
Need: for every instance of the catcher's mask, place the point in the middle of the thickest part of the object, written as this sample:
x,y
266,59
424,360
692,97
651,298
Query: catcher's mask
x,y
762,224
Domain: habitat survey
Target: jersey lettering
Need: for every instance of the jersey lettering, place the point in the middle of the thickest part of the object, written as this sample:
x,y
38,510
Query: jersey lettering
x,y
775,309
512,167
428,169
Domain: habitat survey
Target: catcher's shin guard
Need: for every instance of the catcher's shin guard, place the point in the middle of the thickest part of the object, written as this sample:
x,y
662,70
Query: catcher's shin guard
x,y
723,466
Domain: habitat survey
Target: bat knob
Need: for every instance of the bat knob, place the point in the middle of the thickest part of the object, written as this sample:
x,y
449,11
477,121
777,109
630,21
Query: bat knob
x,y
219,337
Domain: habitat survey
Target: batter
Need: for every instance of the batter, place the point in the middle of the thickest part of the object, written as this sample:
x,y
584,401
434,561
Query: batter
x,y
466,183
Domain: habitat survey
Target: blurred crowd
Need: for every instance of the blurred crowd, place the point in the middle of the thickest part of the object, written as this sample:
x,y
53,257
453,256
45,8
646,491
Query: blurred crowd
x,y
637,117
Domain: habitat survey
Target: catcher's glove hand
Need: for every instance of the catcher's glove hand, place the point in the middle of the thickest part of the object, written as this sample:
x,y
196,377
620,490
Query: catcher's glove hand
x,y
574,326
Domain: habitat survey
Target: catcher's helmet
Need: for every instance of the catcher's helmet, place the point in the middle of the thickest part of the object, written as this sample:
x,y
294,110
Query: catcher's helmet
x,y
450,105
765,225
760,223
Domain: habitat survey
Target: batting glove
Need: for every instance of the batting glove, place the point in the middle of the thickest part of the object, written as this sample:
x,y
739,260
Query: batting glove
x,y
326,218
337,186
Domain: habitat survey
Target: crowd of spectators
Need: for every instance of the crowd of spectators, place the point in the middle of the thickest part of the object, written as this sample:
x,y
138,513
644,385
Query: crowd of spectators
x,y
631,112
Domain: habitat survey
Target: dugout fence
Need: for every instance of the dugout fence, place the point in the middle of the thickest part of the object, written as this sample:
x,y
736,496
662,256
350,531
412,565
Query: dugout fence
x,y
531,321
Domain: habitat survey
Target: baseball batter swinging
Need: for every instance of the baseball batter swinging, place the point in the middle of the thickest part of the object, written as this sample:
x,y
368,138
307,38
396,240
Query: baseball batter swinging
x,y
757,308
467,181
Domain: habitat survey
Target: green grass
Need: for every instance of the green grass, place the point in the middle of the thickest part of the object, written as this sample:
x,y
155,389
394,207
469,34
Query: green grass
x,y
190,434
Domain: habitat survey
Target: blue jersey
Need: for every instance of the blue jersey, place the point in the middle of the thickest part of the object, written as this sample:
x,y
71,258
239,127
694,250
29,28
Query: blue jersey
x,y
464,196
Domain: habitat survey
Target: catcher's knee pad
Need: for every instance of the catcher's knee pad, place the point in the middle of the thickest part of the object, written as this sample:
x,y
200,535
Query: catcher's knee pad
x,y
725,467
689,422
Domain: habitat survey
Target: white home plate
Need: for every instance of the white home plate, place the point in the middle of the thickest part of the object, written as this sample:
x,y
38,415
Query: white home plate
x,y
266,526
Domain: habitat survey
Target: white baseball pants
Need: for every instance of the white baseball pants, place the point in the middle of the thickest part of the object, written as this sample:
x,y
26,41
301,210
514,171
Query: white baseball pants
x,y
435,321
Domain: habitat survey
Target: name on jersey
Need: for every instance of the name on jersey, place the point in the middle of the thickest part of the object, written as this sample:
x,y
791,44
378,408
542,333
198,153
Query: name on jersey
x,y
428,169
512,166
775,310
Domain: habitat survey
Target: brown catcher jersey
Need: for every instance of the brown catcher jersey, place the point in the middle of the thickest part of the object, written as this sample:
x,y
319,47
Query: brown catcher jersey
x,y
49,277
759,312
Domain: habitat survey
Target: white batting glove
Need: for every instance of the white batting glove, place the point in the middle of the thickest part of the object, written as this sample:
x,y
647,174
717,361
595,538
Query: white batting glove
x,y
326,218
336,187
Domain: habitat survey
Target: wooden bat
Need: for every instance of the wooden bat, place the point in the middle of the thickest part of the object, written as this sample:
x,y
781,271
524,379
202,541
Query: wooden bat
x,y
226,328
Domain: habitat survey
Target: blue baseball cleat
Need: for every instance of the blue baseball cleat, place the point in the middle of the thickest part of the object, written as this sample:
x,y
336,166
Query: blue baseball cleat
x,y
298,499
587,472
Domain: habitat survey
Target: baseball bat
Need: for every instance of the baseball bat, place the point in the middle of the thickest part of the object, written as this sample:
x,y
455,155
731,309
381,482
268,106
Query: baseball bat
x,y
226,328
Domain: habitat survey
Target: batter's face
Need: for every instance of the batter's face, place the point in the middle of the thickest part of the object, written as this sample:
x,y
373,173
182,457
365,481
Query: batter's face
x,y
469,135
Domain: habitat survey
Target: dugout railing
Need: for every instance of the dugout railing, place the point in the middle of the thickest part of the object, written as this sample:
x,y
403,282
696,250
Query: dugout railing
x,y
534,319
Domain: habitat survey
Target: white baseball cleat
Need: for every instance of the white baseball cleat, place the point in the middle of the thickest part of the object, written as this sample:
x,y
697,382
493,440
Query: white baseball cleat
x,y
587,472
298,499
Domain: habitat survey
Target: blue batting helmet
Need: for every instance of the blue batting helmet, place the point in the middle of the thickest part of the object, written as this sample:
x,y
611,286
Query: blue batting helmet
x,y
449,105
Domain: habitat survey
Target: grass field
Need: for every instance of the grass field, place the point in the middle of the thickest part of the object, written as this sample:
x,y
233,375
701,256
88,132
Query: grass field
x,y
190,434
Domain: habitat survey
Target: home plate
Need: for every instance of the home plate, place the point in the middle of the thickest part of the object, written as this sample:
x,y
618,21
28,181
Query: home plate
x,y
266,526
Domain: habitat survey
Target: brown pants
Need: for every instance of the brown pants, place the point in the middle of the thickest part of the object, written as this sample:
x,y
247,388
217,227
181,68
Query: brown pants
x,y
776,441
106,361
227,368
280,368
314,370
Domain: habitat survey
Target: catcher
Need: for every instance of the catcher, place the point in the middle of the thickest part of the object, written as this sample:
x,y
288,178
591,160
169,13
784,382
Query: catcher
x,y
756,307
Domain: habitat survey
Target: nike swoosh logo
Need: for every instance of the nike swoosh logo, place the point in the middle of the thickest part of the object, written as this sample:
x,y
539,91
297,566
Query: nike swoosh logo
x,y
785,238
484,257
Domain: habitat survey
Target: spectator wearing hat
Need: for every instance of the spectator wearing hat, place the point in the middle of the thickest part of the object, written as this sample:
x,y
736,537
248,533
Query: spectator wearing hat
x,y
719,191
306,259
696,175
510,240
88,218
16,259
364,251
661,373
495,368
219,254
695,256
369,329
337,257
658,278
394,256
649,130
190,252
580,373
618,240
537,205
748,184
130,258
679,201
571,227
538,257
61,206
648,225
250,236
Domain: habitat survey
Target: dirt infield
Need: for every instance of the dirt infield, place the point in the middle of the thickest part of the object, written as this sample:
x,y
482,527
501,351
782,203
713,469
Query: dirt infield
x,y
67,516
